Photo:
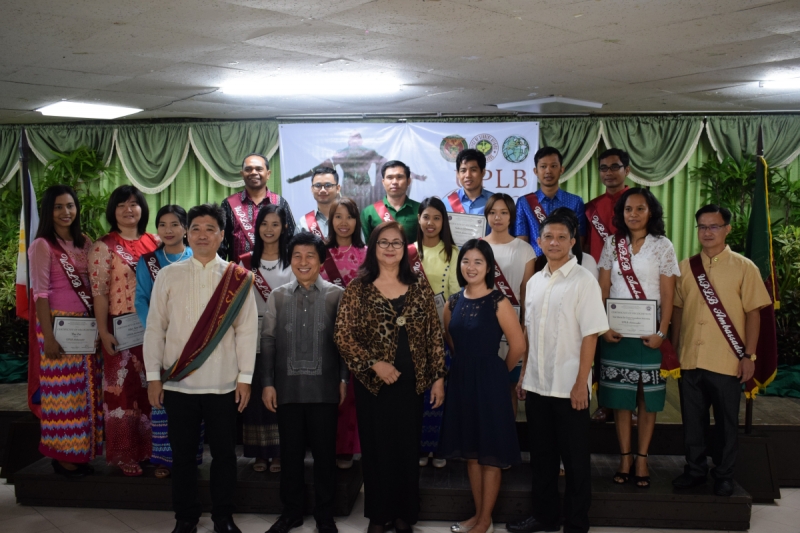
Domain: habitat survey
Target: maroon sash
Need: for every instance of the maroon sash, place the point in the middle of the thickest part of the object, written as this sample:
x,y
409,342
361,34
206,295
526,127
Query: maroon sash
x,y
240,217
455,202
383,212
502,284
83,292
313,227
121,252
258,278
715,305
593,216
334,274
153,266
415,261
536,207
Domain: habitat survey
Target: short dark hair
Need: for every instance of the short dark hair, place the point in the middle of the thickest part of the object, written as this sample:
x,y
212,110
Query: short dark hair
x,y
262,156
283,239
512,208
544,152
370,269
471,154
486,251
211,210
395,163
357,239
47,228
179,212
122,194
325,170
714,208
655,226
624,157
560,218
568,213
446,235
305,238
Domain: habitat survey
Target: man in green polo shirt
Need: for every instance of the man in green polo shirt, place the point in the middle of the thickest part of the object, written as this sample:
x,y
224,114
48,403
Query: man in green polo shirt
x,y
396,177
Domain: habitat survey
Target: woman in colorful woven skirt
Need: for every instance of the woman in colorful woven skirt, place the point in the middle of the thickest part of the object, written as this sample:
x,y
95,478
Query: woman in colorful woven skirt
x,y
112,272
171,228
269,262
438,256
346,253
630,371
70,385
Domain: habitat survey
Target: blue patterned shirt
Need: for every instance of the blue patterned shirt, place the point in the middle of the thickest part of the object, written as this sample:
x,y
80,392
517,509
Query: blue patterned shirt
x,y
472,207
527,224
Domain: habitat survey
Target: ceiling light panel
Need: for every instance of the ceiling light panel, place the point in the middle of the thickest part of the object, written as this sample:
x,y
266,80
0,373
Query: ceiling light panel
x,y
79,110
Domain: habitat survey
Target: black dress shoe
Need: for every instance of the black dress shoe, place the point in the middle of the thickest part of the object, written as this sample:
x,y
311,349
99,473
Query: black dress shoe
x,y
530,525
723,487
226,525
688,481
69,474
183,526
327,526
284,524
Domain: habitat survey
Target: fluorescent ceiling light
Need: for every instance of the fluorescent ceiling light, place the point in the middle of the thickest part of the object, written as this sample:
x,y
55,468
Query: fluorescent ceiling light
x,y
317,84
551,104
78,110
792,83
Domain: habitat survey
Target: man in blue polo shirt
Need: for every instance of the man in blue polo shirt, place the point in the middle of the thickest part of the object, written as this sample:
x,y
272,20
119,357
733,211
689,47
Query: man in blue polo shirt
x,y
470,171
535,207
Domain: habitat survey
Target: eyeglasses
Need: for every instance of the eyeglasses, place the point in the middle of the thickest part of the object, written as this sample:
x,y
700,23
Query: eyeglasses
x,y
714,227
251,169
612,168
386,244
326,186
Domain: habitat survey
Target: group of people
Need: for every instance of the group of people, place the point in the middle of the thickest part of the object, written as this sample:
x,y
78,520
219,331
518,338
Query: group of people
x,y
372,332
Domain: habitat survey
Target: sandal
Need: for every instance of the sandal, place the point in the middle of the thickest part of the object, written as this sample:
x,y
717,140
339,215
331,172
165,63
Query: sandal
x,y
260,465
131,469
275,467
620,478
162,472
601,415
641,479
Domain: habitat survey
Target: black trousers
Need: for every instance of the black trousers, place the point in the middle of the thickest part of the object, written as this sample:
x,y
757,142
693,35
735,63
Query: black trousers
x,y
314,424
185,412
559,432
701,390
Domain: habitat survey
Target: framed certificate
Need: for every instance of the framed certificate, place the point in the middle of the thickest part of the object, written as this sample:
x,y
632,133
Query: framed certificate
x,y
258,337
440,302
465,227
76,335
632,318
128,331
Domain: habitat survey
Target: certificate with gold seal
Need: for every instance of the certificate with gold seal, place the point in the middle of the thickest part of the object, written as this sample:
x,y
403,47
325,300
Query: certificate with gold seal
x,y
465,227
632,318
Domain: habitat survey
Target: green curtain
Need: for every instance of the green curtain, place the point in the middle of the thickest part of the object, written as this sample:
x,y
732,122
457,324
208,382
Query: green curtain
x,y
659,146
781,139
575,138
222,146
731,136
152,155
45,140
9,153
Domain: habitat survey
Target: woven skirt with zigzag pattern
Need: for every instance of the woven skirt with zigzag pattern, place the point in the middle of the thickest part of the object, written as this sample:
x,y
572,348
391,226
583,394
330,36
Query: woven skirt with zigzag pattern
x,y
72,404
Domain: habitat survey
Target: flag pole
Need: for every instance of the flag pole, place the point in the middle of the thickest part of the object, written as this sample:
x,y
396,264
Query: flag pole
x,y
748,403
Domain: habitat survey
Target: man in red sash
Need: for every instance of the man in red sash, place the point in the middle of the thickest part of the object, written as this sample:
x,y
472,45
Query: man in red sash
x,y
325,188
715,327
396,177
471,197
241,208
200,346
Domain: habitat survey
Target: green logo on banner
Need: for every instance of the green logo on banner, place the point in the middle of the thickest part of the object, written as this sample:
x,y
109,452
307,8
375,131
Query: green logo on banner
x,y
516,149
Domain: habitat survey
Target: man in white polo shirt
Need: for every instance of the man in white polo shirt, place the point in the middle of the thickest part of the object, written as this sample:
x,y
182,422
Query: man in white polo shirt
x,y
564,315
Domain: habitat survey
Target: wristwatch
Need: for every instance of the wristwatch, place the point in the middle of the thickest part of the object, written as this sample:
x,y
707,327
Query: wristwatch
x,y
750,356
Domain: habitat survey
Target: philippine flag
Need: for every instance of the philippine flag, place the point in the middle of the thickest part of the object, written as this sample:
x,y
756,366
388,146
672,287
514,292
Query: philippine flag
x,y
23,292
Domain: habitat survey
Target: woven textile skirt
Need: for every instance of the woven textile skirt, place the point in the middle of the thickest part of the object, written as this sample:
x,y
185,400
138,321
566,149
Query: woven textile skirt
x,y
432,418
623,366
260,428
72,403
162,451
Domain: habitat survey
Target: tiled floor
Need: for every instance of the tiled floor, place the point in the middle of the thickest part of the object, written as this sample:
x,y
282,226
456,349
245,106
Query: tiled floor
x,y
782,517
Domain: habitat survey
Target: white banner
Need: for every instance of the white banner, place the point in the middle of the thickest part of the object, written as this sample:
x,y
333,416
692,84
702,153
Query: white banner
x,y
357,151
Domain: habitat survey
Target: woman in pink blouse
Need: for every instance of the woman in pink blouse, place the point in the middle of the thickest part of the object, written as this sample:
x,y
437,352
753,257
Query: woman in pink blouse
x,y
69,384
112,270
346,252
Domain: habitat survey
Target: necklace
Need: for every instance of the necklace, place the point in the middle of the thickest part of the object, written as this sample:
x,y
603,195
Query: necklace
x,y
270,269
345,251
166,256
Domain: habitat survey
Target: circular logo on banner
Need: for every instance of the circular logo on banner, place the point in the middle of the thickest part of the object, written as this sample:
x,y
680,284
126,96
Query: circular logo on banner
x,y
451,146
486,144
516,149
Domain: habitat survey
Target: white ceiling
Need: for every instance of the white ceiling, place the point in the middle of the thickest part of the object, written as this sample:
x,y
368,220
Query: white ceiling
x,y
170,57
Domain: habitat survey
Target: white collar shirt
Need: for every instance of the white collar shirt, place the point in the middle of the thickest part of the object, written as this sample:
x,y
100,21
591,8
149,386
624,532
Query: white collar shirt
x,y
561,308
180,295
322,222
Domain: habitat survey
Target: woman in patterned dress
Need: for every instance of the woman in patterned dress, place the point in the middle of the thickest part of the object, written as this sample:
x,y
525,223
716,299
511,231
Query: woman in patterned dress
x,y
347,250
69,384
112,271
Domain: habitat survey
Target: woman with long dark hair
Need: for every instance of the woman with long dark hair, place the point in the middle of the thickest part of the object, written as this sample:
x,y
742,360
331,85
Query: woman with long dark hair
x,y
269,262
70,385
112,270
346,252
388,333
630,374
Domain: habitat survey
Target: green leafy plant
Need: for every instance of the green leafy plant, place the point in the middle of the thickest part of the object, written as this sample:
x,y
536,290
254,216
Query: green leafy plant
x,y
787,272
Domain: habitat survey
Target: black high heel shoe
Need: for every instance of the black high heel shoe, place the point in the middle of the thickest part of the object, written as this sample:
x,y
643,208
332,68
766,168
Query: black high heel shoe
x,y
69,474
641,479
624,476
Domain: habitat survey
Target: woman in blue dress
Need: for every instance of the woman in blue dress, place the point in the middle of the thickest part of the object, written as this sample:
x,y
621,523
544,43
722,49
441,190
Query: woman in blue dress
x,y
171,227
478,423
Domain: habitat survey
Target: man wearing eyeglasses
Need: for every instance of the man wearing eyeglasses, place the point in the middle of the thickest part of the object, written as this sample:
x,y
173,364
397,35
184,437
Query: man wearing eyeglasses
x,y
715,326
325,188
241,209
